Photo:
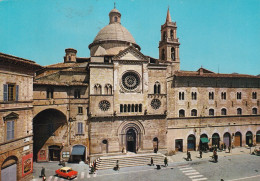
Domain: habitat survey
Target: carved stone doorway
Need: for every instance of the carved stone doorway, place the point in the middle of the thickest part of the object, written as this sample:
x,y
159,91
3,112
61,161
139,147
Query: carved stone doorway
x,y
131,140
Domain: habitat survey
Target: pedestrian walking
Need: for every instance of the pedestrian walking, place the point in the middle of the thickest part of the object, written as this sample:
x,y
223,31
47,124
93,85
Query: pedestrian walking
x,y
43,172
117,165
188,156
165,161
152,161
200,154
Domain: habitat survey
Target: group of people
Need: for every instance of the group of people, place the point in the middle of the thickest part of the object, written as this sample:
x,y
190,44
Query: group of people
x,y
165,161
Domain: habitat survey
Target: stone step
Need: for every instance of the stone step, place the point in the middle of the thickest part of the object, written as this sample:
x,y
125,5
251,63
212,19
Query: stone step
x,y
109,162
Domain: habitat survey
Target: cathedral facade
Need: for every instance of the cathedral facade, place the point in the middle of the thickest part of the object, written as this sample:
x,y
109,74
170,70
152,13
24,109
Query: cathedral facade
x,y
119,100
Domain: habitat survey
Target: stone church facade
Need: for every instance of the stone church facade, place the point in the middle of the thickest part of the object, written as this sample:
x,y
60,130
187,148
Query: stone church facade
x,y
119,100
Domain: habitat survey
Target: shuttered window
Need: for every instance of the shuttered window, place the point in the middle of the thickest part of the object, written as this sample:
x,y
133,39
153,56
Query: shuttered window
x,y
9,130
11,92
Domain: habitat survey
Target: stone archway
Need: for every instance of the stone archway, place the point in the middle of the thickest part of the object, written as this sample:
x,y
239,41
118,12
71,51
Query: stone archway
x,y
227,139
249,138
215,140
204,142
47,126
191,141
130,135
258,137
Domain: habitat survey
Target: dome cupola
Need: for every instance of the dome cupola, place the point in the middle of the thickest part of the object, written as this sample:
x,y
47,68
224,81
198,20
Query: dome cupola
x,y
112,38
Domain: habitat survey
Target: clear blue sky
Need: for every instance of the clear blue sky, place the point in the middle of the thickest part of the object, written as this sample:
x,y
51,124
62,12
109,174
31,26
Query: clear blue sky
x,y
212,33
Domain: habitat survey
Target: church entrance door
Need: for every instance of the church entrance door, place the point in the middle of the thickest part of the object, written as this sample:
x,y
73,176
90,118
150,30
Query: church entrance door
x,y
131,140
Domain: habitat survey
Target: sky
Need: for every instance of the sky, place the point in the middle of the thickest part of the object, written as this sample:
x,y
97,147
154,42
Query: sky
x,y
220,35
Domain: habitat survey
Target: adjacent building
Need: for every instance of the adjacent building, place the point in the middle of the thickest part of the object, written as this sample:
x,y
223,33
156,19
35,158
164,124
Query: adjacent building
x,y
16,115
119,100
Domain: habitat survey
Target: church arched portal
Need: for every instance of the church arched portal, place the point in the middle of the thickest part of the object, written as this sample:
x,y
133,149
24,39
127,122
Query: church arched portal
x,y
131,140
130,135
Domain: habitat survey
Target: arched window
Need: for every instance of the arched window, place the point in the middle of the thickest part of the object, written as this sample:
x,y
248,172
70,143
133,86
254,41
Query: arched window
x,y
136,108
121,108
171,32
211,95
173,54
254,95
157,88
140,107
194,95
254,110
69,58
115,19
223,111
108,89
211,112
125,108
193,112
239,111
181,113
163,54
164,35
97,89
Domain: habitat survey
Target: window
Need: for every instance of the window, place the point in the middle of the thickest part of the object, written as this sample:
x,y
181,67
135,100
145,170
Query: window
x,y
211,95
239,95
171,32
115,19
181,113
106,59
77,94
239,111
254,95
80,128
121,108
211,112
223,111
164,35
50,93
80,110
223,95
254,111
108,89
163,54
157,88
10,130
173,54
181,95
193,112
194,95
97,89
69,58
11,92
140,107
65,154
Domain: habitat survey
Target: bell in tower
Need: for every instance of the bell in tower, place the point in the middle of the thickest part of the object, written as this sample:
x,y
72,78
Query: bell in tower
x,y
169,44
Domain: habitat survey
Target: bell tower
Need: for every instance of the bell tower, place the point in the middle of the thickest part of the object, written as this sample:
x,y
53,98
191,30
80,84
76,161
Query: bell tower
x,y
169,44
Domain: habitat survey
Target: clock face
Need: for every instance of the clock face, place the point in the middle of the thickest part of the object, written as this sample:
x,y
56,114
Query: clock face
x,y
104,105
130,80
155,103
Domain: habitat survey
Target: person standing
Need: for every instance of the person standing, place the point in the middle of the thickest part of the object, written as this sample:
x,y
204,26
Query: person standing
x,y
117,165
152,161
165,161
200,154
43,172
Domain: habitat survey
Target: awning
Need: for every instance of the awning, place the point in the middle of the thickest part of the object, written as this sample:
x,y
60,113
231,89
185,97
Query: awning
x,y
258,134
191,138
204,140
249,134
78,150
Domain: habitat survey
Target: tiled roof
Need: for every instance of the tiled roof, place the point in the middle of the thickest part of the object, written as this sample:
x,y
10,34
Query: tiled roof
x,y
49,82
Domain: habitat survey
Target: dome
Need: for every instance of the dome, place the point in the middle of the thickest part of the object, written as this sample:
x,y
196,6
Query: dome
x,y
114,31
114,11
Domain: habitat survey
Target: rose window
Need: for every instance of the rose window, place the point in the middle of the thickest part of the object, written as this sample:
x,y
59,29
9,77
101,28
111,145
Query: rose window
x,y
130,80
156,103
104,105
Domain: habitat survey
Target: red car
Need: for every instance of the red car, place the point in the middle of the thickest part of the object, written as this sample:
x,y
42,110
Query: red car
x,y
66,172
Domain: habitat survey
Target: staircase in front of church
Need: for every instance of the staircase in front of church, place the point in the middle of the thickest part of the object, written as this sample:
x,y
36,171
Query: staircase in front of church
x,y
129,160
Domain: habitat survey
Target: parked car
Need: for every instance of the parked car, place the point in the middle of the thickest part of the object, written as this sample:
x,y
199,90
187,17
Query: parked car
x,y
66,172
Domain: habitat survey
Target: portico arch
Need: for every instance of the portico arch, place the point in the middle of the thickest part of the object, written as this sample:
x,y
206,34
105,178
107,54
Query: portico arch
x,y
9,169
47,124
